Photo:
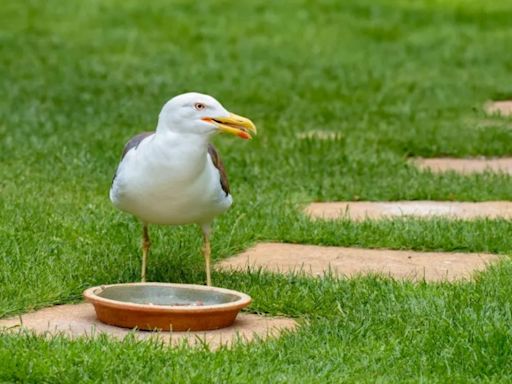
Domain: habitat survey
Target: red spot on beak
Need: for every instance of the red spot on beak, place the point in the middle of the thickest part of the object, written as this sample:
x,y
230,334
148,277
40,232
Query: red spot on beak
x,y
244,135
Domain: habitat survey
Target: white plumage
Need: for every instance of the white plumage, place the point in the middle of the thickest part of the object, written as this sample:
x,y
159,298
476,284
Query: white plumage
x,y
170,179
174,176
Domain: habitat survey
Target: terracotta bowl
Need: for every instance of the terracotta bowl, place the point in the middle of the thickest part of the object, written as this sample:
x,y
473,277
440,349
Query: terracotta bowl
x,y
163,306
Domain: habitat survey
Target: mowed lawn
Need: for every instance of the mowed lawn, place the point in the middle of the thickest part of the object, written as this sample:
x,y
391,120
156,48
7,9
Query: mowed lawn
x,y
393,78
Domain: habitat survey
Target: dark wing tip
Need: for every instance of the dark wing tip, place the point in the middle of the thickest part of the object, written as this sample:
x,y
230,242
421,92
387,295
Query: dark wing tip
x,y
217,162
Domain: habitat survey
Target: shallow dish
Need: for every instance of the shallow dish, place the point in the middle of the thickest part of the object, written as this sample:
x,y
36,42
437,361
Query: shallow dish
x,y
164,306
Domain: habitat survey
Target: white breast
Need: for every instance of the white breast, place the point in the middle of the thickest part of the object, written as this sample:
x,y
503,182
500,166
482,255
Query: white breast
x,y
170,179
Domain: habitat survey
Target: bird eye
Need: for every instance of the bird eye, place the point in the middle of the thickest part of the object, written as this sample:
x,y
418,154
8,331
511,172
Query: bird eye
x,y
199,106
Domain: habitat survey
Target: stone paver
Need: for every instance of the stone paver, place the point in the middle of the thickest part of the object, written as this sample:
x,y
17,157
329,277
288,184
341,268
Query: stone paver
x,y
465,166
75,320
502,107
360,210
317,260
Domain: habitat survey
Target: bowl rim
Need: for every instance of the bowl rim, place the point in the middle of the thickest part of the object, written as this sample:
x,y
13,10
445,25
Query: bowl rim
x,y
91,295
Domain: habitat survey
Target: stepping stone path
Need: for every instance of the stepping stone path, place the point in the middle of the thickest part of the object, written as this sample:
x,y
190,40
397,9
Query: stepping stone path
x,y
318,260
465,166
360,210
430,266
80,320
503,107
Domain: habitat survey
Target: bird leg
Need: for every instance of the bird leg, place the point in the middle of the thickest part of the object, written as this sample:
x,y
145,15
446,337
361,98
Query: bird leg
x,y
207,253
146,244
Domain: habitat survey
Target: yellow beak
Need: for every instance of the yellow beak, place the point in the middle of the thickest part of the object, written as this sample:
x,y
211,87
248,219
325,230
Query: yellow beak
x,y
233,124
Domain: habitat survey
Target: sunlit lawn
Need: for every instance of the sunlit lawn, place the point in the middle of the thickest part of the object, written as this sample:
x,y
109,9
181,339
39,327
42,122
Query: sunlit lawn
x,y
393,78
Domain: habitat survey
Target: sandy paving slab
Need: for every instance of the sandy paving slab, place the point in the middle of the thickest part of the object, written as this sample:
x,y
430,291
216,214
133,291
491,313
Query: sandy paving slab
x,y
360,210
317,260
502,107
75,320
465,166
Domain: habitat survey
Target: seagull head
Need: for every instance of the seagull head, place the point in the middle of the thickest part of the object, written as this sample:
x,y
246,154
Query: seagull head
x,y
199,114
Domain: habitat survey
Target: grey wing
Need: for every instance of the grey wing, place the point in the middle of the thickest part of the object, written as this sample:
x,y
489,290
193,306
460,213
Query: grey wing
x,y
217,162
135,141
132,143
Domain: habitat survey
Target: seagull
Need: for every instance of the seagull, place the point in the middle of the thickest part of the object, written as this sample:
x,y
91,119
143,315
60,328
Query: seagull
x,y
174,175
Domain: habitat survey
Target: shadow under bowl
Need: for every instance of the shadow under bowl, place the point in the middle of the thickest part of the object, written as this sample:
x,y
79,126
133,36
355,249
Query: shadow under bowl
x,y
165,306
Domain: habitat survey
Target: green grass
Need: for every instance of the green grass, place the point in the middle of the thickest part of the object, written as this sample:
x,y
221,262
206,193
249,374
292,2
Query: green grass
x,y
395,78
